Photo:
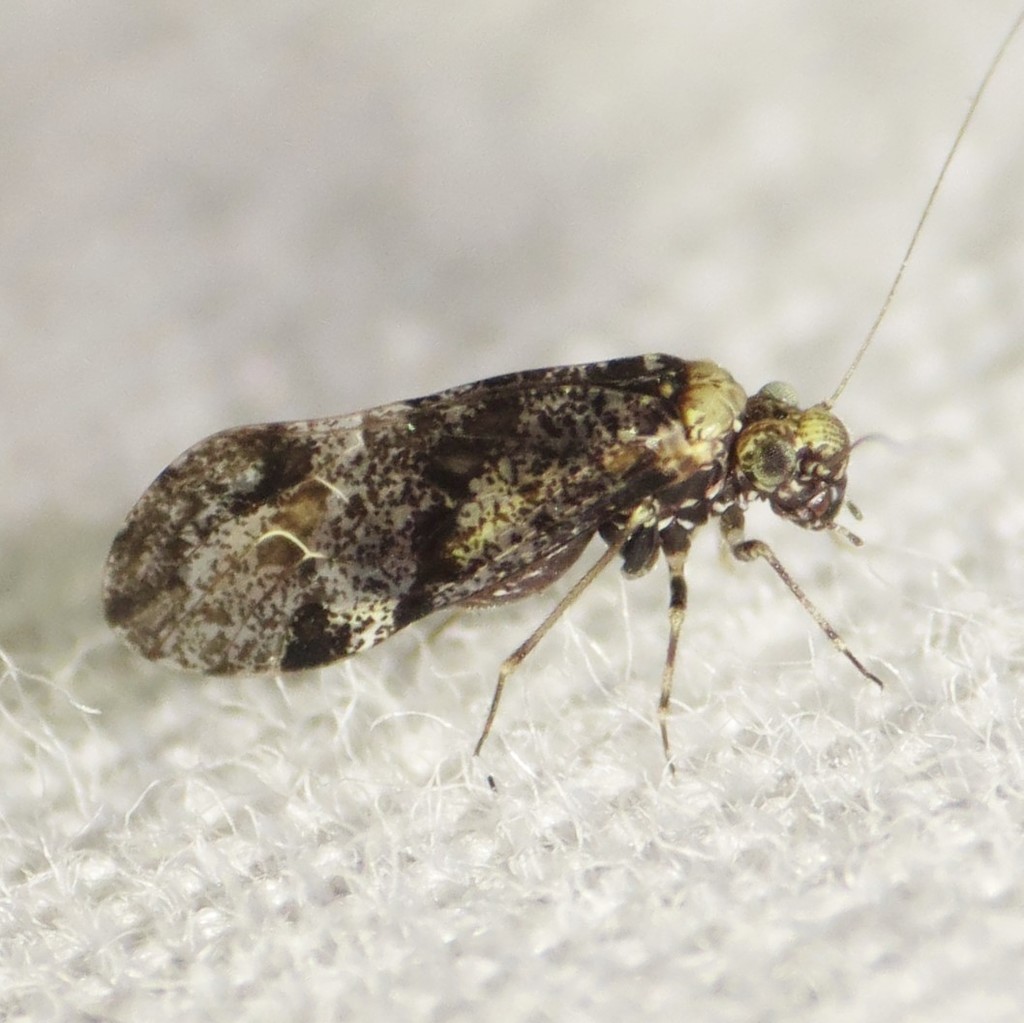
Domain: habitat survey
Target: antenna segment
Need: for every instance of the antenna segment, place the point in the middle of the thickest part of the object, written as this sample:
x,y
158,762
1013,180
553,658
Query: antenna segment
x,y
921,220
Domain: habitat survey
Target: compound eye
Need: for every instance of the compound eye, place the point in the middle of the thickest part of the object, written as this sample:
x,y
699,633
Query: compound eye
x,y
766,455
823,434
779,392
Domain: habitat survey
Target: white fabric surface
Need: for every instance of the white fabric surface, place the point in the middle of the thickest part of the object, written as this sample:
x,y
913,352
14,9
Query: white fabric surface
x,y
215,213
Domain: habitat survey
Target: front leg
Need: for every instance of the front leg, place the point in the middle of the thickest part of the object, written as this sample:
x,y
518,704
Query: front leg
x,y
742,549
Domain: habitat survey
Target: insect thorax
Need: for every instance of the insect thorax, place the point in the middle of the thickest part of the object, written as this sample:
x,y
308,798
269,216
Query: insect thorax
x,y
729,450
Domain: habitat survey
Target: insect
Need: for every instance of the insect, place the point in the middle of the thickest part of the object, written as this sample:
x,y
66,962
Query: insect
x,y
285,546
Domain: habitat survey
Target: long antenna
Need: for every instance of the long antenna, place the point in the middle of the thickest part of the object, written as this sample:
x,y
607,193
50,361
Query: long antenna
x,y
968,117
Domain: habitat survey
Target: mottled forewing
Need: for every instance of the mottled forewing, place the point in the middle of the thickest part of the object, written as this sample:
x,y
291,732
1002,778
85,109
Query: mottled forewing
x,y
288,545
